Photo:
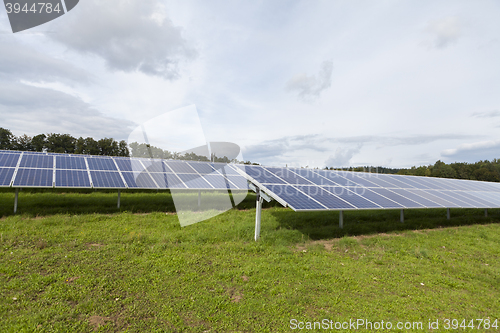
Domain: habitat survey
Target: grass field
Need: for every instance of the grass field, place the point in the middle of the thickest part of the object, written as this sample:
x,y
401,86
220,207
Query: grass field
x,y
73,262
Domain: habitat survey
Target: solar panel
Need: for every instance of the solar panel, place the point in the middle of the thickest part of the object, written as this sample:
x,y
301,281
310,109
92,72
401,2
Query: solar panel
x,y
180,167
8,159
415,197
351,197
194,181
139,180
37,161
107,179
313,177
261,175
129,164
6,176
101,163
237,182
72,178
202,168
326,198
295,199
29,177
217,181
71,162
403,201
374,197
288,176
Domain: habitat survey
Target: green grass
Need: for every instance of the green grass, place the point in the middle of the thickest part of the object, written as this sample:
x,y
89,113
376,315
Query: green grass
x,y
73,262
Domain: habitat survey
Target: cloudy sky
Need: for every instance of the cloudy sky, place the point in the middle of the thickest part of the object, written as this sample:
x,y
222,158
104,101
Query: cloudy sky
x,y
303,83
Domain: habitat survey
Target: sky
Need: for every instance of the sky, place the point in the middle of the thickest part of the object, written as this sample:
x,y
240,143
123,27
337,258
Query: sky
x,y
296,83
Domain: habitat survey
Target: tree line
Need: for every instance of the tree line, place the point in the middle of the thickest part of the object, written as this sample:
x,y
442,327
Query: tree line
x,y
483,170
65,143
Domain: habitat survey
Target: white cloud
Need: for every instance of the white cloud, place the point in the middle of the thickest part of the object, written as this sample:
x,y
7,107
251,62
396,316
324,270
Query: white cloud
x,y
32,110
342,156
128,35
487,114
445,31
309,87
472,152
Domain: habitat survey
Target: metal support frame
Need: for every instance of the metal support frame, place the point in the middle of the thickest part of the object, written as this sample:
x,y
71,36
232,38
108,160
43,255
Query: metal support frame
x,y
341,219
118,203
15,200
199,199
486,212
448,215
402,216
258,214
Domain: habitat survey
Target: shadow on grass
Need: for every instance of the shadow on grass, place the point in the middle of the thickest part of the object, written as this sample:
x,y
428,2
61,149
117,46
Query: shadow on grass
x,y
325,225
43,202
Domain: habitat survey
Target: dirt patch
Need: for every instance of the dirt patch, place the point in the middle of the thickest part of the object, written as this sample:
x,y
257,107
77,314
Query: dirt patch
x,y
97,321
71,279
94,245
245,278
235,295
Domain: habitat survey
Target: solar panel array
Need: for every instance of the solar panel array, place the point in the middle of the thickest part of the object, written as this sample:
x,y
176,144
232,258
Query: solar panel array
x,y
309,190
34,169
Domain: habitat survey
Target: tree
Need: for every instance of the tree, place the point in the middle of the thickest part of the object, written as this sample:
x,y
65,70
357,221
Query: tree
x,y
6,137
60,143
22,143
39,142
107,147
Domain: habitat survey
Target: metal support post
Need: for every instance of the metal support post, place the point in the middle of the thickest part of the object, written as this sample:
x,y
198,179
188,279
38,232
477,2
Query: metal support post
x,y
341,219
486,212
199,199
15,200
118,203
448,215
257,215
402,216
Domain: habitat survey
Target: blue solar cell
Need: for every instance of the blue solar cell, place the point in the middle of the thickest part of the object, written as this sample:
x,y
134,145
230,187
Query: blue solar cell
x,y
357,179
372,180
129,164
449,196
374,197
217,181
107,179
389,194
70,162
225,169
415,197
8,159
6,176
202,168
138,180
155,165
334,177
34,177
294,198
413,181
313,177
443,202
493,197
432,183
326,198
397,181
180,167
480,203
194,181
262,176
289,176
72,178
37,161
237,182
351,197
101,163
442,182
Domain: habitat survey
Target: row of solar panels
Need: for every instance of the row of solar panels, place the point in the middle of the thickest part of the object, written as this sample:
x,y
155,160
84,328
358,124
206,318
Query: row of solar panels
x,y
306,189
33,169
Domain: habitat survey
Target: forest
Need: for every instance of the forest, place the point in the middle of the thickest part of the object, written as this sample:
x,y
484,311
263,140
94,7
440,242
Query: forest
x,y
65,143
